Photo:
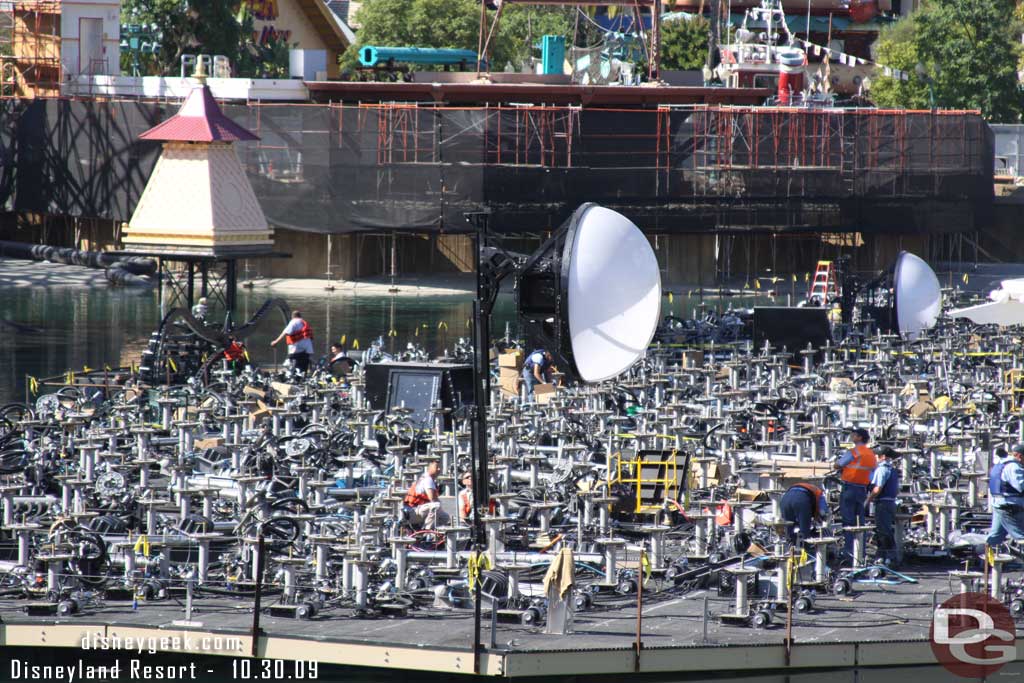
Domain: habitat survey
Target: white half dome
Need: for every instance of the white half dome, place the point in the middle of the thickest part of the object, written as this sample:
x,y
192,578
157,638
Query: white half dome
x,y
614,292
918,296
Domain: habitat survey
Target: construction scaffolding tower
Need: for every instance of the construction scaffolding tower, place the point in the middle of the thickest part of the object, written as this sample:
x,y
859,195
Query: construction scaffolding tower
x,y
30,46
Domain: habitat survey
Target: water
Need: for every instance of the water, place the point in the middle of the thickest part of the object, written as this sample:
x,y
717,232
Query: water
x,y
78,327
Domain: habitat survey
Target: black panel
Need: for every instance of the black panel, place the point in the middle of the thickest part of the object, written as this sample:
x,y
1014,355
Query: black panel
x,y
792,328
419,385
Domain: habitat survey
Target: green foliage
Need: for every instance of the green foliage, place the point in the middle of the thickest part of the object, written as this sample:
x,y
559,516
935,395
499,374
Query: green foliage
x,y
521,29
968,51
684,43
201,26
256,60
896,48
455,24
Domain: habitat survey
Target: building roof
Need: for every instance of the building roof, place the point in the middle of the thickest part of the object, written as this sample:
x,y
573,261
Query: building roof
x,y
200,119
334,32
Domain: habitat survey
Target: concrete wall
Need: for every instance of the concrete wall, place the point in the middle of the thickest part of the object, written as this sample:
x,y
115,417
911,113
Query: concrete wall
x,y
356,256
684,259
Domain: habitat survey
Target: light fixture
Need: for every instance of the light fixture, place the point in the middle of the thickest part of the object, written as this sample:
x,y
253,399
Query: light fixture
x,y
918,295
591,294
905,299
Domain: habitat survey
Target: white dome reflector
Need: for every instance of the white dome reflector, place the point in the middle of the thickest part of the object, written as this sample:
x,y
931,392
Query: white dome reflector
x,y
918,296
591,294
614,290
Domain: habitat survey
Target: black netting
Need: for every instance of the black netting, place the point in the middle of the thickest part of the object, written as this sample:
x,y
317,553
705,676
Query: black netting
x,y
333,168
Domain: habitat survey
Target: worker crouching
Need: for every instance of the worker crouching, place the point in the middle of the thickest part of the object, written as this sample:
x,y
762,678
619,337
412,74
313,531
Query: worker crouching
x,y
422,501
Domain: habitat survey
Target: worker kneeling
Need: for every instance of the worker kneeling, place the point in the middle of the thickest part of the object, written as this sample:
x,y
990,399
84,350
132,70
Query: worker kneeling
x,y
802,504
422,503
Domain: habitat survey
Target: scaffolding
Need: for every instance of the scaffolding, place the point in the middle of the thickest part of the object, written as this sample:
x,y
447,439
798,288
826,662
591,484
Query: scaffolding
x,y
30,48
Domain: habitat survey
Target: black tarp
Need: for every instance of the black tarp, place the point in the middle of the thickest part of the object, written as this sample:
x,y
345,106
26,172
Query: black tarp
x,y
375,168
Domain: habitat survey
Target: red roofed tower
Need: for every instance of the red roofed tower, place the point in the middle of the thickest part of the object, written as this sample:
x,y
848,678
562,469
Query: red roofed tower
x,y
198,201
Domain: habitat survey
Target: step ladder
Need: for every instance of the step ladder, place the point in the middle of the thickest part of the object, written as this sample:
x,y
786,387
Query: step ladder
x,y
824,286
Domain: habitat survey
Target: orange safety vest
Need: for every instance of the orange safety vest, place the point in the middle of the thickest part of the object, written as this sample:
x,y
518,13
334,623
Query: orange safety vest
x,y
466,502
818,493
304,332
234,352
722,513
860,468
413,499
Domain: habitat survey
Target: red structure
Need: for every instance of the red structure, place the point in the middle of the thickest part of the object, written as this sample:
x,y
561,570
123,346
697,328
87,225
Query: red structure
x,y
200,119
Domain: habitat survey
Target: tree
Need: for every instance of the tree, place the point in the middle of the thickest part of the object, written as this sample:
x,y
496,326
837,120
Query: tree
x,y
684,43
183,27
259,60
201,26
455,24
896,49
967,52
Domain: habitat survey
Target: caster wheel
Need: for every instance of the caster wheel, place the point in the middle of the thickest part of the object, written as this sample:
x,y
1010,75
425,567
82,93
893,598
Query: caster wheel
x,y
876,573
762,619
66,608
842,587
582,602
305,611
626,587
802,605
1017,608
530,617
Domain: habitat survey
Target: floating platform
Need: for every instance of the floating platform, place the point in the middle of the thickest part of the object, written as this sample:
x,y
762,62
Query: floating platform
x,y
877,626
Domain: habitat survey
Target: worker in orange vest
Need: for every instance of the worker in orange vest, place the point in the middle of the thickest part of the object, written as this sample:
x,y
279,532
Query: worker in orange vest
x,y
299,336
801,504
422,501
235,354
855,468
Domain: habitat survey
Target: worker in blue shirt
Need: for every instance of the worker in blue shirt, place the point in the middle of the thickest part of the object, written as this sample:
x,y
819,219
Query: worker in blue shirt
x,y
1006,489
885,487
537,369
801,504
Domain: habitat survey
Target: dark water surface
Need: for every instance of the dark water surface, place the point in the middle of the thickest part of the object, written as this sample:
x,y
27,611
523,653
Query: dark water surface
x,y
69,328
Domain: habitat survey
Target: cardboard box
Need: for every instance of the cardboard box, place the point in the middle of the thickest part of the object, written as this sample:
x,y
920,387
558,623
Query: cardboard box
x,y
921,408
509,383
509,373
253,392
213,442
183,414
545,393
283,389
511,359
261,412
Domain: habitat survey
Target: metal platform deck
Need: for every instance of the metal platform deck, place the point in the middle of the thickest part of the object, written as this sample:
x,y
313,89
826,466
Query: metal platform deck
x,y
878,626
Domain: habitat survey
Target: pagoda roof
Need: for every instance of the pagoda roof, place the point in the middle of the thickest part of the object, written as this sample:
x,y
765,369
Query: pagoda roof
x,y
200,119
